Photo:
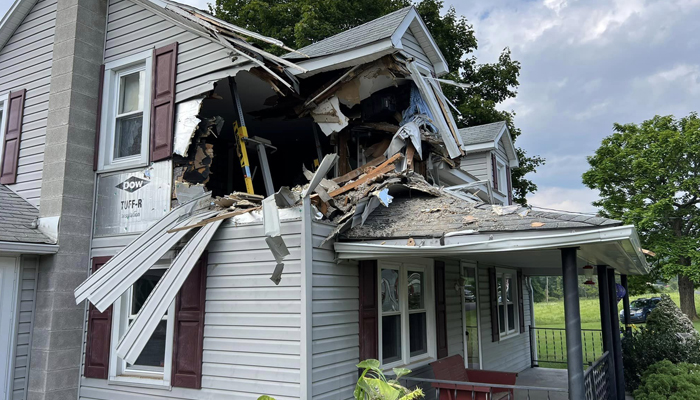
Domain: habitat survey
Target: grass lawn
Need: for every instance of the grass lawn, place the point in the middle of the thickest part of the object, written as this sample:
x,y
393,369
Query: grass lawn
x,y
551,344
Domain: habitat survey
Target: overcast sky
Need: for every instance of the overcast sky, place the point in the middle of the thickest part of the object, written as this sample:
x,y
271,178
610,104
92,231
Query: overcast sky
x,y
585,65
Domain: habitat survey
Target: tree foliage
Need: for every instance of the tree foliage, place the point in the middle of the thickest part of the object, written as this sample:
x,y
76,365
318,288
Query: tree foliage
x,y
649,175
300,23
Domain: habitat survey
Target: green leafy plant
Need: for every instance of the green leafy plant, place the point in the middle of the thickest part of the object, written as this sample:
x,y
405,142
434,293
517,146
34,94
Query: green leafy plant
x,y
266,398
666,380
373,384
668,335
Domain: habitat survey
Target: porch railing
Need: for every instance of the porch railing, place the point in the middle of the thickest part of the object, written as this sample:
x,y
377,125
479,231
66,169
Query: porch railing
x,y
596,379
482,391
548,346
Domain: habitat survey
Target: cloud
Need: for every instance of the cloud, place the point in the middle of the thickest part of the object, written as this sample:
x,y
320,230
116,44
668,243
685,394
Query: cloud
x,y
564,199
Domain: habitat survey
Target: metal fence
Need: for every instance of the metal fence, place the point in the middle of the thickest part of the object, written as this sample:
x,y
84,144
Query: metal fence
x,y
596,379
548,346
452,390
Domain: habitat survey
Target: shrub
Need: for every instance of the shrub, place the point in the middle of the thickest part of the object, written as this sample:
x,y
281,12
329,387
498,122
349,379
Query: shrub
x,y
665,380
668,335
373,385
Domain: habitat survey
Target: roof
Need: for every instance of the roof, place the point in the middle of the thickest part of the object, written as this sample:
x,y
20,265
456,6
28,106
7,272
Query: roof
x,y
369,32
13,18
481,133
18,219
435,216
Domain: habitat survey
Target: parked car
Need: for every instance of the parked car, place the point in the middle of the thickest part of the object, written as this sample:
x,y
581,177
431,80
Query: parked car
x,y
640,309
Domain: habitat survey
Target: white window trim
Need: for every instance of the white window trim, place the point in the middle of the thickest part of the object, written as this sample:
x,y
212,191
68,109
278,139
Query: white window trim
x,y
513,274
143,60
3,121
429,304
118,374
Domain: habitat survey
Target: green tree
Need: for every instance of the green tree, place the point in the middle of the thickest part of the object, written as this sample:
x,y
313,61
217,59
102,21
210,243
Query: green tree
x,y
649,175
302,22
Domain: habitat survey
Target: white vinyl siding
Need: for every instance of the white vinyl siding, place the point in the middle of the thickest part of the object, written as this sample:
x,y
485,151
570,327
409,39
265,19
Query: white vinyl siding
x,y
27,297
252,333
335,348
414,49
25,63
132,29
477,164
511,354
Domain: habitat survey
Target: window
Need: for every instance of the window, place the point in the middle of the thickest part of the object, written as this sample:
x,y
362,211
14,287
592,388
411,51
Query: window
x,y
154,363
502,179
507,303
126,106
407,318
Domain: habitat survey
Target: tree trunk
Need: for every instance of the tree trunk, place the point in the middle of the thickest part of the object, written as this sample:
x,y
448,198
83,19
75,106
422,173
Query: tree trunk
x,y
686,290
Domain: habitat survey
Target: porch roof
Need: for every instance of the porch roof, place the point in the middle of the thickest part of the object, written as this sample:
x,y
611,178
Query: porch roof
x,y
512,236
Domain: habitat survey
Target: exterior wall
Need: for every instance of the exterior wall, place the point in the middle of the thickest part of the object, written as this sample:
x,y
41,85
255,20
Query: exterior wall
x,y
27,298
477,164
335,326
511,354
414,49
252,333
25,63
132,29
501,151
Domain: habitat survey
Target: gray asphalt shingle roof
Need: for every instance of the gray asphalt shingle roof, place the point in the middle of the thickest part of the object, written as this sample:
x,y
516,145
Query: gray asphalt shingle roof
x,y
481,133
435,216
16,219
369,32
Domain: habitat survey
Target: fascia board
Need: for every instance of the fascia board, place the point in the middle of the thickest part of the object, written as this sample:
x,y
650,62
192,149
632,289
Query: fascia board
x,y
472,244
355,56
13,18
28,248
474,148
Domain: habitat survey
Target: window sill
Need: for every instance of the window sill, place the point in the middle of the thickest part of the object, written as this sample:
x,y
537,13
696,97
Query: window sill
x,y
121,167
510,336
134,381
415,364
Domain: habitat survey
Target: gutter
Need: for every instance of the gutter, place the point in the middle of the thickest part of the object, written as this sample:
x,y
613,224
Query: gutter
x,y
28,248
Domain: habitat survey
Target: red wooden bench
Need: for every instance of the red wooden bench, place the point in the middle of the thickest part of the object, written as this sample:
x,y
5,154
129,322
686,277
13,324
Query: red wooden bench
x,y
452,369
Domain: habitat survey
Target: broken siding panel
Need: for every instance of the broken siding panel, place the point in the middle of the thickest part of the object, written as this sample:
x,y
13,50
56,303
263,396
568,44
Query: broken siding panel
x,y
414,49
252,328
132,29
511,354
335,326
477,165
27,297
25,63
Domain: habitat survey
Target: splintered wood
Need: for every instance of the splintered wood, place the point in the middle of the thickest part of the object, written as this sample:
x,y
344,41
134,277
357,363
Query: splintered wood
x,y
385,167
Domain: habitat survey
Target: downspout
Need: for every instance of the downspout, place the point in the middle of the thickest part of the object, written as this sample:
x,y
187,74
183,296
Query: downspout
x,y
306,299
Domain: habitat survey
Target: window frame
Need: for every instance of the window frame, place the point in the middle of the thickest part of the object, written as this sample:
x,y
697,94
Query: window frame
x,y
3,115
118,370
502,274
421,265
502,178
114,71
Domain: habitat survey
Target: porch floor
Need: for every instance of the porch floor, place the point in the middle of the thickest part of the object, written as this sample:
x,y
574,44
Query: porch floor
x,y
542,377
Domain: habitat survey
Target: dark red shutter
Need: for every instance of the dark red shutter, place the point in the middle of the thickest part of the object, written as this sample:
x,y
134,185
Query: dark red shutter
x,y
99,334
494,171
510,186
189,328
14,111
369,310
440,309
493,296
521,302
98,117
163,101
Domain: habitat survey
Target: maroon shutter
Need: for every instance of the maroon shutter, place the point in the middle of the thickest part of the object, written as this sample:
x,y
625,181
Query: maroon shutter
x,y
440,309
163,101
494,171
98,117
510,186
369,310
14,111
493,296
99,334
189,328
521,302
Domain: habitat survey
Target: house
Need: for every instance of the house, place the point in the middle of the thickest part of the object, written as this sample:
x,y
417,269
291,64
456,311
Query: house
x,y
164,240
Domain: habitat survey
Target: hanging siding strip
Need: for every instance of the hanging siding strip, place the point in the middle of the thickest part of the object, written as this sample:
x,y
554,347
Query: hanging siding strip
x,y
13,136
158,302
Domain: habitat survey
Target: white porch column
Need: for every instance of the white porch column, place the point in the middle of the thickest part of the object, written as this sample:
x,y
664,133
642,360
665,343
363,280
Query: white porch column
x,y
572,314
